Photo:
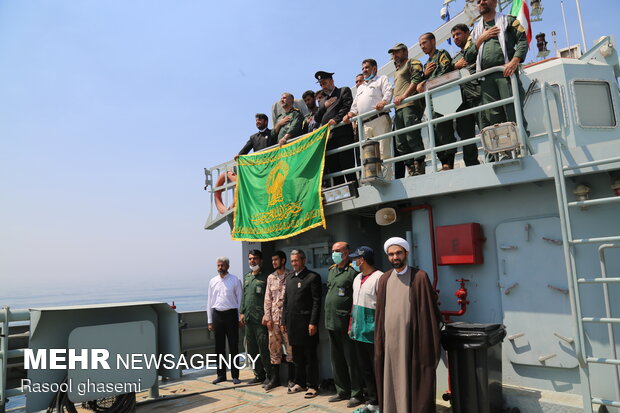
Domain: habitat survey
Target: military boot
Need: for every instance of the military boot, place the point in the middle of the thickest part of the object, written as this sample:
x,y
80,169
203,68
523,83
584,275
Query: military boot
x,y
275,377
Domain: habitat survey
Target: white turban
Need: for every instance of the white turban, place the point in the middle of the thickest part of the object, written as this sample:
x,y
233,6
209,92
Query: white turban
x,y
396,241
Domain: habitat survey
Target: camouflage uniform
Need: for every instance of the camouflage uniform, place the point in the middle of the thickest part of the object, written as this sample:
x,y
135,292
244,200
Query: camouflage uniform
x,y
444,133
274,299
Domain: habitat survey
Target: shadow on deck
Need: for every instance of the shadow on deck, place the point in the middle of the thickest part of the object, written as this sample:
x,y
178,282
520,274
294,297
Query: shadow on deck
x,y
224,397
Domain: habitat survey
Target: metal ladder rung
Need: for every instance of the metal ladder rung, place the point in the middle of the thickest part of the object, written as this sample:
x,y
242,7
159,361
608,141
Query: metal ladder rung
x,y
605,402
593,163
591,202
594,240
604,320
601,360
598,280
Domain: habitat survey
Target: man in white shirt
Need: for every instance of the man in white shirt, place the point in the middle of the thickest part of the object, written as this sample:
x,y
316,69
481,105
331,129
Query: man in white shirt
x,y
223,301
374,93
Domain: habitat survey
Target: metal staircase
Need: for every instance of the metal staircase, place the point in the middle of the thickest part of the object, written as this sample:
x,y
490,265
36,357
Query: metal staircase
x,y
570,244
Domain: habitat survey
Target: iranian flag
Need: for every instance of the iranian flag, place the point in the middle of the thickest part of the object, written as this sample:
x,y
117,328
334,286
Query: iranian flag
x,y
522,13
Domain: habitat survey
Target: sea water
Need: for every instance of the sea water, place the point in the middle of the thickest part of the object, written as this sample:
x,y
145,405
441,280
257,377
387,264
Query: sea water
x,y
189,296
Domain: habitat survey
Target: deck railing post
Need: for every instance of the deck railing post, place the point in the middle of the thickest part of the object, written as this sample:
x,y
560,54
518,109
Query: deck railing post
x,y
431,131
4,348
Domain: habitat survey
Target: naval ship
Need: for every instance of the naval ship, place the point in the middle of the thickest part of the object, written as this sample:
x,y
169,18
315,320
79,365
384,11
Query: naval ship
x,y
529,241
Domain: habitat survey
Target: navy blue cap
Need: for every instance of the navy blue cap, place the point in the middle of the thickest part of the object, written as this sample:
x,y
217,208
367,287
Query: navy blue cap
x,y
363,252
320,75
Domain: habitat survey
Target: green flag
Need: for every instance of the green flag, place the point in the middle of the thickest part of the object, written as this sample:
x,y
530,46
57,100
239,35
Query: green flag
x,y
279,191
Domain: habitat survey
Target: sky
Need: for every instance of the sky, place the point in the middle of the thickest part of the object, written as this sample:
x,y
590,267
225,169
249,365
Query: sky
x,y
110,110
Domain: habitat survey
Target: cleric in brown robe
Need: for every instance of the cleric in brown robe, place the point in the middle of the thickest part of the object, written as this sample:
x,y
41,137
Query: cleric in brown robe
x,y
408,314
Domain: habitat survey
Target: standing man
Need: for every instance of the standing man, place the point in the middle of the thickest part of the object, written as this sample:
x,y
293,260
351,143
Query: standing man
x,y
466,125
359,79
310,101
407,337
373,94
338,303
333,108
223,299
498,40
438,63
261,139
289,123
302,310
408,75
274,300
252,311
362,330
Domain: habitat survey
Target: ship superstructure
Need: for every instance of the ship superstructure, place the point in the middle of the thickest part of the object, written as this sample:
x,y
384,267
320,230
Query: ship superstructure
x,y
549,219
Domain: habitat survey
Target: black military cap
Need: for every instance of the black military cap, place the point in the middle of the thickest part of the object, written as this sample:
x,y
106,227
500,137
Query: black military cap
x,y
320,75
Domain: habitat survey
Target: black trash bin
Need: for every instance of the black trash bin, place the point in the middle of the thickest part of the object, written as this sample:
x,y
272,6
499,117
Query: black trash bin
x,y
475,365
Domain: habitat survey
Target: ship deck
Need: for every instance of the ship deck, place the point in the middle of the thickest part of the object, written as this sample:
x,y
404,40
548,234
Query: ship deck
x,y
194,393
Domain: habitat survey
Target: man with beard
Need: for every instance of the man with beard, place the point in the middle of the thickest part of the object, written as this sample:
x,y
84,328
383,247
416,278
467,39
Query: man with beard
x,y
407,337
439,63
252,308
289,123
223,298
261,139
274,300
498,40
466,125
332,109
408,75
309,98
301,311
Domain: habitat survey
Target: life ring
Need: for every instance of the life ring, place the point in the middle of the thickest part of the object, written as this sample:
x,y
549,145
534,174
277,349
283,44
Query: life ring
x,y
219,204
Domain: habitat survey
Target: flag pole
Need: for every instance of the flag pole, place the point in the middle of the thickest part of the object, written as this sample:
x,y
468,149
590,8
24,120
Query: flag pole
x,y
565,29
583,36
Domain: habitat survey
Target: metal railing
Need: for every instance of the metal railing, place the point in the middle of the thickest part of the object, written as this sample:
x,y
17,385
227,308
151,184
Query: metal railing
x,y
8,316
430,122
212,174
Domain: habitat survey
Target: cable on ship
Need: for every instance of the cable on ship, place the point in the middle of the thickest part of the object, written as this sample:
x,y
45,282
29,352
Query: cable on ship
x,y
125,403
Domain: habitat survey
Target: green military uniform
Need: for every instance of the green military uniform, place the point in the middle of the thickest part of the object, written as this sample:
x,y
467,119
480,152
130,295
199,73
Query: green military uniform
x,y
495,86
410,113
444,133
466,125
256,334
338,304
294,125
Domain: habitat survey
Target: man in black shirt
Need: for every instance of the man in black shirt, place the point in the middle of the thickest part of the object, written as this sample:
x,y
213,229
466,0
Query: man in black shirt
x,y
261,139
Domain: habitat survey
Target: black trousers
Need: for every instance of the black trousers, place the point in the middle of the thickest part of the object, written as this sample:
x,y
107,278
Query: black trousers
x,y
226,327
365,358
306,365
342,160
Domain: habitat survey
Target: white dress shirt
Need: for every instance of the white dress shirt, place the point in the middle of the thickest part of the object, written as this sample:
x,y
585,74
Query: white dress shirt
x,y
403,271
370,93
224,294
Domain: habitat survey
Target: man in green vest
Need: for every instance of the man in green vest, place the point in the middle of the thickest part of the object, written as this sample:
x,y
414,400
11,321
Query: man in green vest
x,y
439,63
470,92
252,311
338,304
498,40
289,124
